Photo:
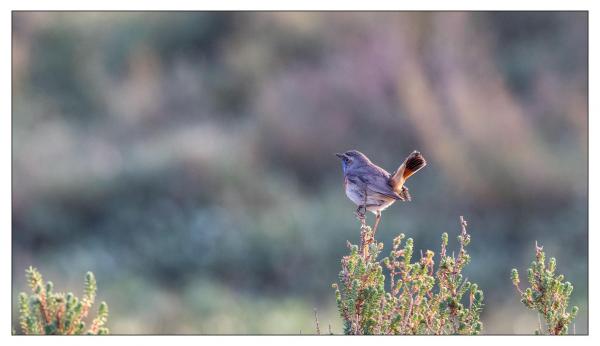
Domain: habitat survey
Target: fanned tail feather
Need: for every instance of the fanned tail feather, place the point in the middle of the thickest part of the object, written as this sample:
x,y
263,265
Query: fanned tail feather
x,y
413,163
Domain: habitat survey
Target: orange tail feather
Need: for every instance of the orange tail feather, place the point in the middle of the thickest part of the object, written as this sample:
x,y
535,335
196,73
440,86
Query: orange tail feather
x,y
413,163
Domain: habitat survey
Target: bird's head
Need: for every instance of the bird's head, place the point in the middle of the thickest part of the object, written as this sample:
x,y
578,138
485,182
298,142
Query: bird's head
x,y
352,159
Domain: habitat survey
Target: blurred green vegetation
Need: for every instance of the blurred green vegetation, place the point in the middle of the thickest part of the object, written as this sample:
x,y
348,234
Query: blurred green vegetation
x,y
187,158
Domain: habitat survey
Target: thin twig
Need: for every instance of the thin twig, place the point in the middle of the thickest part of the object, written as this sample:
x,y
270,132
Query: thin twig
x,y
408,312
317,322
377,219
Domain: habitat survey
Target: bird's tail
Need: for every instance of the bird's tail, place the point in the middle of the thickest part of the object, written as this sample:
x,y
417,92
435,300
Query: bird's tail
x,y
413,163
404,194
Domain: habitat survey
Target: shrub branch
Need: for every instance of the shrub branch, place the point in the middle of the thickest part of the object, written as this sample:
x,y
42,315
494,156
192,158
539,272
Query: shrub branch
x,y
47,312
547,294
420,299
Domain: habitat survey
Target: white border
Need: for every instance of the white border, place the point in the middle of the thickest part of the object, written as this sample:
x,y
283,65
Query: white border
x,y
5,151
303,5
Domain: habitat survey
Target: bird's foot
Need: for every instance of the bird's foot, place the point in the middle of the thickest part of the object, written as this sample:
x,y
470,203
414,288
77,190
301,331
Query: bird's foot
x,y
360,213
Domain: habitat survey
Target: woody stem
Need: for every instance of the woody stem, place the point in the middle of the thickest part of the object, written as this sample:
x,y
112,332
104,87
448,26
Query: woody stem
x,y
377,219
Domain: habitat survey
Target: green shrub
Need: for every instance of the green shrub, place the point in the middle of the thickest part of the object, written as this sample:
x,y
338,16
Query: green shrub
x,y
46,312
547,294
418,300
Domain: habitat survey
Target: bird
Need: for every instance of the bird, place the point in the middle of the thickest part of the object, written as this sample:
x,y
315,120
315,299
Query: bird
x,y
371,187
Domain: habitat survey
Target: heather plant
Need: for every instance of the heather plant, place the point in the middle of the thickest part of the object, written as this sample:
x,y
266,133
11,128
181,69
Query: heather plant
x,y
419,299
547,294
46,312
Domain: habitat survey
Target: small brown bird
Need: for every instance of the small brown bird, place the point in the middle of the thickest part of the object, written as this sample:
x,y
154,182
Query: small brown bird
x,y
371,187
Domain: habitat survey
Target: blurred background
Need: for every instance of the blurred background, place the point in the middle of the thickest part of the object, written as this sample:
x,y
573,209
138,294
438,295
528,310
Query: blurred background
x,y
187,158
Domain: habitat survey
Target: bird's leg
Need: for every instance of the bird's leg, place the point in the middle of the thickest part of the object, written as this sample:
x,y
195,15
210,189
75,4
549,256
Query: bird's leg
x,y
362,210
377,219
360,215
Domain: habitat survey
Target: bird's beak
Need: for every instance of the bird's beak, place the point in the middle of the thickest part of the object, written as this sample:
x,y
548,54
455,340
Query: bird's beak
x,y
341,156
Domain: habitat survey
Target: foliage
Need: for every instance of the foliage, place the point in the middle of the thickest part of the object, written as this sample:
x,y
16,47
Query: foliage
x,y
411,305
135,111
547,294
46,312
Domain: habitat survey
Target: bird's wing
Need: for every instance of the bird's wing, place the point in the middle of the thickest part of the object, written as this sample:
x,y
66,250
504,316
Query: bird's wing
x,y
377,182
356,180
380,185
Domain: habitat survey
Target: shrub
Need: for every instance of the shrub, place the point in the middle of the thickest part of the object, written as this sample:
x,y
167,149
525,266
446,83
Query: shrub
x,y
411,304
547,294
47,312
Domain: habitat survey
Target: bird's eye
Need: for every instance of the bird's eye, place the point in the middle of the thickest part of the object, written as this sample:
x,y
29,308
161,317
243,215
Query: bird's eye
x,y
347,160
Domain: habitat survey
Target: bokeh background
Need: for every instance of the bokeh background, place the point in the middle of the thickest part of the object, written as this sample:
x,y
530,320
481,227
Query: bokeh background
x,y
187,158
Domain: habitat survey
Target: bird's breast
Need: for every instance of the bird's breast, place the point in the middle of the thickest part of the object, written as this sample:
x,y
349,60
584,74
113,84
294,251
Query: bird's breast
x,y
354,193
